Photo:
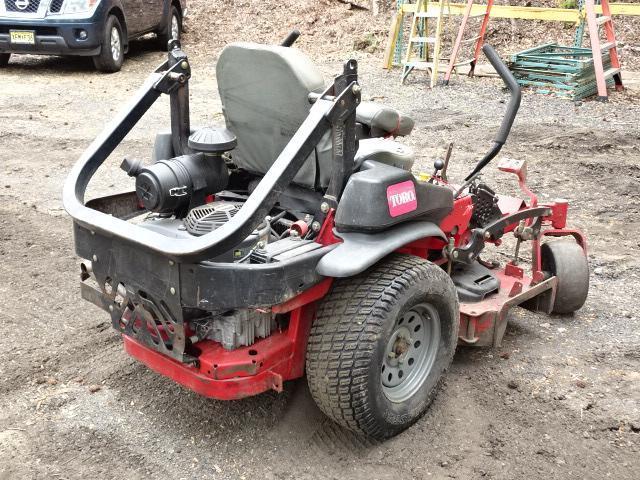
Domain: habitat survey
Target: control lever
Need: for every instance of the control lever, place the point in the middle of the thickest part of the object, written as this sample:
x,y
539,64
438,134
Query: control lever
x,y
507,121
437,166
291,38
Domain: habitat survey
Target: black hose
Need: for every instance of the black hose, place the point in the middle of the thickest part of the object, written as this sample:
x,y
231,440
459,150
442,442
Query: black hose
x,y
291,38
510,114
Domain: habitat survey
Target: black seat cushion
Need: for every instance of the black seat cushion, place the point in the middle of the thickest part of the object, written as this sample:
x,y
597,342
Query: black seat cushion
x,y
384,150
384,121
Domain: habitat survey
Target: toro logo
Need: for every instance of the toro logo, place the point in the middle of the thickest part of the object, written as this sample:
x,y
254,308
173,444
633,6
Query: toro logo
x,y
401,198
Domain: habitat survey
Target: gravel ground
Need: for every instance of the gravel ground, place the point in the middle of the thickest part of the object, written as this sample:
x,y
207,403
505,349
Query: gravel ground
x,y
560,399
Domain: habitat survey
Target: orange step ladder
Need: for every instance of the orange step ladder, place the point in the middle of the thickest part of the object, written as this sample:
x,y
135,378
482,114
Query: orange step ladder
x,y
594,23
460,40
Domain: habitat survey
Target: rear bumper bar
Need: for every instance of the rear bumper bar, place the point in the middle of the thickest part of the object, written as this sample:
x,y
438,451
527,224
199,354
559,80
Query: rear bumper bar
x,y
249,379
246,371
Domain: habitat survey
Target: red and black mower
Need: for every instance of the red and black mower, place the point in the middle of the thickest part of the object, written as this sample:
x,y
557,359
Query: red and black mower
x,y
296,240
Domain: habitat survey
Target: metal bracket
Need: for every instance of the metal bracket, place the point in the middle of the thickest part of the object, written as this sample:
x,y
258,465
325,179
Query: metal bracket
x,y
492,232
343,120
174,82
178,191
172,77
519,168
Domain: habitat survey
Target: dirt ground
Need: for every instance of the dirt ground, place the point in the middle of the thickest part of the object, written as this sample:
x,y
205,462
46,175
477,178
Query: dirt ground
x,y
560,399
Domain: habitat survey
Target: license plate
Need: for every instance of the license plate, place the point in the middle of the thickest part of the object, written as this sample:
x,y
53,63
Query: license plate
x,y
22,37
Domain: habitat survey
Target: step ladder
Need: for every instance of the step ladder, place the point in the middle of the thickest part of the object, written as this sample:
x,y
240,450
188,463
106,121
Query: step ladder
x,y
428,47
593,24
478,39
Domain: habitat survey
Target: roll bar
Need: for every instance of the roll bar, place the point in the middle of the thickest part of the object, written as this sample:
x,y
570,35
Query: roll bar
x,y
335,110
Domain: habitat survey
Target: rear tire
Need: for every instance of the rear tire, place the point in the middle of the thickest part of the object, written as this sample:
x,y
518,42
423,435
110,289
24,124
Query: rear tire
x,y
112,52
173,29
4,59
568,262
380,344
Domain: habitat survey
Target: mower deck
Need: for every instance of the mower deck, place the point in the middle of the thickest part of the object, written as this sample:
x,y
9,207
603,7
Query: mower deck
x,y
484,323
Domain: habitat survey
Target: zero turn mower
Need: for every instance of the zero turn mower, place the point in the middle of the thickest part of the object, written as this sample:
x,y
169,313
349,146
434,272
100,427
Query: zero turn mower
x,y
295,239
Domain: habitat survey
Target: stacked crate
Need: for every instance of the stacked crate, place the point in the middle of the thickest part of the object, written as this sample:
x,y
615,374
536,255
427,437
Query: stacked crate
x,y
563,71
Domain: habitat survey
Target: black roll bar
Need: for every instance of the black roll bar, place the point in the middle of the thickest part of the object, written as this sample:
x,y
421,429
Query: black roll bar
x,y
324,115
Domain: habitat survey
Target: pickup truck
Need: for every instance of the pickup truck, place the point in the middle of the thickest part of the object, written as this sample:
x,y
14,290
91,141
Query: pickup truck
x,y
100,29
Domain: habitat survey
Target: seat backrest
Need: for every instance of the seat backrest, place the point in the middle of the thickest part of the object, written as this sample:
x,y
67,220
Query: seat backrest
x,y
264,91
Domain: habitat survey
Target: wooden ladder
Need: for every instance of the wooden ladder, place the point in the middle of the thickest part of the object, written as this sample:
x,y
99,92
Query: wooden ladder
x,y
418,38
594,23
477,39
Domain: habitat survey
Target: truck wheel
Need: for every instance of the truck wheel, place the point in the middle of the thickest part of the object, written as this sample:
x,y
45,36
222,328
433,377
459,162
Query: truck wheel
x,y
568,262
173,29
380,344
112,53
4,59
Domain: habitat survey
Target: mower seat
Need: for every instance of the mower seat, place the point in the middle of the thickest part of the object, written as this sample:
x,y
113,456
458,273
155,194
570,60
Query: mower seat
x,y
264,91
383,121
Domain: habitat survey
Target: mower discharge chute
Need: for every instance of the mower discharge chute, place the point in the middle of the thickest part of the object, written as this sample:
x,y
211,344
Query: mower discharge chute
x,y
296,239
